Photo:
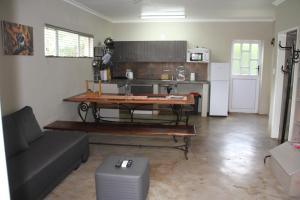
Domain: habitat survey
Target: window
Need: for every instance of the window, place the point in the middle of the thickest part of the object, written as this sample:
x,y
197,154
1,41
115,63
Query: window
x,y
60,42
245,57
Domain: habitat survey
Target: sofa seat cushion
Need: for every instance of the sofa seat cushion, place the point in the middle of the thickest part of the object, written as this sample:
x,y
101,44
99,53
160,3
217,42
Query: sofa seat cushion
x,y
47,158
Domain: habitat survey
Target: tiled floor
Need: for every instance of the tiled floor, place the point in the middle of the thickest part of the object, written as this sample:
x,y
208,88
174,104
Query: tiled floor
x,y
225,162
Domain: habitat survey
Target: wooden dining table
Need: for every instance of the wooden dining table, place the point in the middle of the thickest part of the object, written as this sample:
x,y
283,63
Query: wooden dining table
x,y
94,101
132,99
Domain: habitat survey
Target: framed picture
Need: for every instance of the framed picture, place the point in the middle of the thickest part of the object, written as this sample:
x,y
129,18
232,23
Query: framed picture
x,y
17,39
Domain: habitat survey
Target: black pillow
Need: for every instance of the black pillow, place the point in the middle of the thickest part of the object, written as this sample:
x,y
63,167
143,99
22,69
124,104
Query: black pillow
x,y
27,124
14,140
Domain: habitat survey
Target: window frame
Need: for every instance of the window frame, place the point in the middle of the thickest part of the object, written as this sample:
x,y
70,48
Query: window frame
x,y
79,34
241,42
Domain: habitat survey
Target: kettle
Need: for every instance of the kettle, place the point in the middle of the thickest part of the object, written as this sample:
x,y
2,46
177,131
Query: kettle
x,y
129,74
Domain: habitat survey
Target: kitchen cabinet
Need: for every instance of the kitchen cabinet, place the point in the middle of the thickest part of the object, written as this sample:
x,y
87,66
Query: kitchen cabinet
x,y
150,51
127,51
111,114
117,55
139,51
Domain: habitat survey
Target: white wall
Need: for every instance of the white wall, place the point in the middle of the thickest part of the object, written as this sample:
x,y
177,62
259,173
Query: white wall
x,y
39,81
4,187
217,36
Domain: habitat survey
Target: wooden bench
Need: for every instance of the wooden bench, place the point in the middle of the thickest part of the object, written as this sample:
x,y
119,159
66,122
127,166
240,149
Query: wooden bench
x,y
186,132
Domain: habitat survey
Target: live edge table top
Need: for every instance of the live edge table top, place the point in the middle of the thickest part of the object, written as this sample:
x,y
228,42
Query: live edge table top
x,y
132,99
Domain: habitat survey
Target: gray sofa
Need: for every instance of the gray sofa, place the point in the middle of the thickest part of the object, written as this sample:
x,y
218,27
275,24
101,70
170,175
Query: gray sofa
x,y
37,161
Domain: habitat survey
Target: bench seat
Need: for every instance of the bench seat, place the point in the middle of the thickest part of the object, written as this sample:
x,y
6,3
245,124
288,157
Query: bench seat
x,y
124,128
184,131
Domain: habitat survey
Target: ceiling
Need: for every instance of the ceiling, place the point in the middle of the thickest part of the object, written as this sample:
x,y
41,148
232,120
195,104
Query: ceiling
x,y
196,10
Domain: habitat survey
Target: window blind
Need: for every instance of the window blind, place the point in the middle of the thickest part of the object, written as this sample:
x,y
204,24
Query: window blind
x,y
60,42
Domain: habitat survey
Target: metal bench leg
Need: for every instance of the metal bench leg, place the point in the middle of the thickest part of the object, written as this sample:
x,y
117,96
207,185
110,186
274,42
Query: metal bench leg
x,y
175,139
187,144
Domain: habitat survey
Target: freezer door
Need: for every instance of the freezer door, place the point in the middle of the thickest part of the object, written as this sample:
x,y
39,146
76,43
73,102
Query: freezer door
x,y
219,95
219,71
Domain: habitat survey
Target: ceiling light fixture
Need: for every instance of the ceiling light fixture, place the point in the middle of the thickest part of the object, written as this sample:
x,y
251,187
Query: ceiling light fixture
x,y
278,2
163,15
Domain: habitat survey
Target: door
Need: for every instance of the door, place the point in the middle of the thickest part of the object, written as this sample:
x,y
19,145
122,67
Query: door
x,y
245,62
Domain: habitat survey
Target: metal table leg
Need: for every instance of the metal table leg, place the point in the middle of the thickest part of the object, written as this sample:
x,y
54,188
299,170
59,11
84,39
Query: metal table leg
x,y
187,117
83,109
187,142
177,110
96,112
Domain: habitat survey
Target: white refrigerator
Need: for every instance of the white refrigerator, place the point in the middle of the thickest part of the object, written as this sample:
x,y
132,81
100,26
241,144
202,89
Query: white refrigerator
x,y
219,89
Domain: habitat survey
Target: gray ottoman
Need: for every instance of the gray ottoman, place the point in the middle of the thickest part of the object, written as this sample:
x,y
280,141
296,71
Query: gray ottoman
x,y
122,183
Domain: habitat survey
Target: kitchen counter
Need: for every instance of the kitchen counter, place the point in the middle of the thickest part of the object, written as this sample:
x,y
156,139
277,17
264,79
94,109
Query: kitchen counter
x,y
149,81
201,87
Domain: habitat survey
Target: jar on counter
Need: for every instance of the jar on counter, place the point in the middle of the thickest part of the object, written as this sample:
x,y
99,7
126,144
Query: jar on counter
x,y
180,73
165,74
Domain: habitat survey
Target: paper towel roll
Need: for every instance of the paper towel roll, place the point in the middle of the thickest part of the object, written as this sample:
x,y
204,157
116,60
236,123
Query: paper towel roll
x,y
193,76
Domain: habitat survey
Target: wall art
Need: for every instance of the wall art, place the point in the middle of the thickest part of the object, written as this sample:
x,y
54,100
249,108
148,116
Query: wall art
x,y
17,39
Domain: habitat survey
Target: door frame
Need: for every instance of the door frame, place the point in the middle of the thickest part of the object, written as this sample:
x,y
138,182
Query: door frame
x,y
294,93
276,100
259,80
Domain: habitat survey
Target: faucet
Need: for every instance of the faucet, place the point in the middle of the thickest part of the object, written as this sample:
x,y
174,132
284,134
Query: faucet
x,y
169,89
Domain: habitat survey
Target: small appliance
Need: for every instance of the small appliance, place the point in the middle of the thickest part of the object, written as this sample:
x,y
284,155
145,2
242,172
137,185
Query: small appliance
x,y
198,55
129,74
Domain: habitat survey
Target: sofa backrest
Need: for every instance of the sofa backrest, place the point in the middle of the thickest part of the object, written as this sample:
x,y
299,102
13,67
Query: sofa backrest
x,y
20,129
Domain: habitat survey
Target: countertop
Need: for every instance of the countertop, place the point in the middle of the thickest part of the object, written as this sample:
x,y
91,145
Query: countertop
x,y
148,81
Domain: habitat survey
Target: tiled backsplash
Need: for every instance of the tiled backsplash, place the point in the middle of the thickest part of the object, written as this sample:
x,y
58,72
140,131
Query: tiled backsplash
x,y
154,70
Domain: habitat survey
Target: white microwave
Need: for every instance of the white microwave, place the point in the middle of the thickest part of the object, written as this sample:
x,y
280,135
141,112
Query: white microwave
x,y
198,55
